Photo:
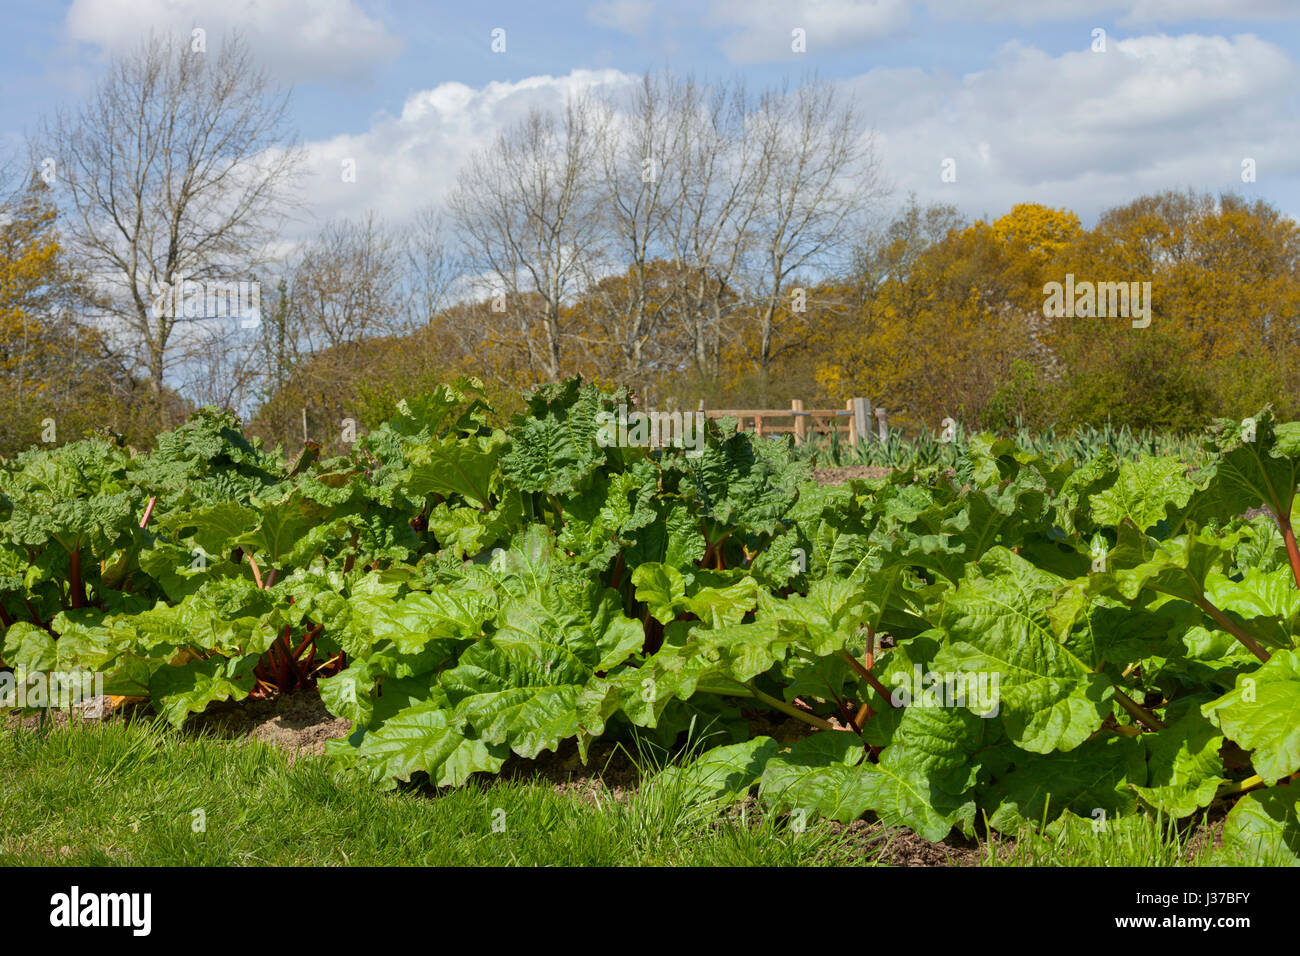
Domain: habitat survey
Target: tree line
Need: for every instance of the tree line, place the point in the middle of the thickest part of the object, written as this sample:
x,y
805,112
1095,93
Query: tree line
x,y
695,240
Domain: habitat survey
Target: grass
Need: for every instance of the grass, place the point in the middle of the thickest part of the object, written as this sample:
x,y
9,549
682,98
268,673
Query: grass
x,y
1137,840
138,793
132,793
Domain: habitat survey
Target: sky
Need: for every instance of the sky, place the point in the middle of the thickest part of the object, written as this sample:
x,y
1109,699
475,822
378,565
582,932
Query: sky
x,y
1083,105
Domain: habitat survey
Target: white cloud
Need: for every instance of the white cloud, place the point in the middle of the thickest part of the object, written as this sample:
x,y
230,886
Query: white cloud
x,y
626,16
1128,11
1084,130
1174,10
1090,130
765,26
761,28
408,161
321,40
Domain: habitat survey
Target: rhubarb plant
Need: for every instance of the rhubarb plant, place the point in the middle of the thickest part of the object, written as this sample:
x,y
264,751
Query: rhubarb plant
x,y
1007,640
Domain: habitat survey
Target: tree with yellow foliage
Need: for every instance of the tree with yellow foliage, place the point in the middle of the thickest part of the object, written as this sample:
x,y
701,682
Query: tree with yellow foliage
x,y
58,378
1225,313
947,310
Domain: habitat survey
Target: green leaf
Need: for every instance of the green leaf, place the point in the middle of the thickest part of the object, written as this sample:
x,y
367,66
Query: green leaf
x,y
1184,769
553,449
721,773
28,648
1178,567
662,588
521,686
1268,599
902,799
730,487
1252,470
818,775
178,692
831,612
723,605
214,528
427,739
1262,714
1144,492
456,466
1263,829
998,622
599,525
282,526
1096,775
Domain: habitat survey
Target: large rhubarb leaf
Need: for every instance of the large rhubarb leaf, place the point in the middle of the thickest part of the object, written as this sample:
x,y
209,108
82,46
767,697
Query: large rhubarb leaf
x,y
998,623
1262,715
1184,767
1263,829
1098,775
818,776
427,738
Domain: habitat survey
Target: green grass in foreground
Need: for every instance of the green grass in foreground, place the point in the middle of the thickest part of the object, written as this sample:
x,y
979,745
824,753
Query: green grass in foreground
x,y
127,793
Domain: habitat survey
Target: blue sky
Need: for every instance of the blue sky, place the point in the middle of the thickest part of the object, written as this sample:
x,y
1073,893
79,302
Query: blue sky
x,y
1009,89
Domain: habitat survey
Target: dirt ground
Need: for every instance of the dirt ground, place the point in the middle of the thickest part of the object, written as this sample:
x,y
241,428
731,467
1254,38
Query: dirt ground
x,y
296,723
905,848
837,476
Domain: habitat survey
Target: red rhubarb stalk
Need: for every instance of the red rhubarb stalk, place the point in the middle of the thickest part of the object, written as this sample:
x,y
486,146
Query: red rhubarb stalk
x,y
76,586
148,510
1233,628
257,574
1292,552
867,676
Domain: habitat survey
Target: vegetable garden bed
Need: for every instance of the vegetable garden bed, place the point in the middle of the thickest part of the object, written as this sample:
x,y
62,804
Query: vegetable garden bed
x,y
1016,640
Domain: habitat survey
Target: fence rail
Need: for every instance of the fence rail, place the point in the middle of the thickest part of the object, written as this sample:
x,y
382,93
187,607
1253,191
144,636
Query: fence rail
x,y
854,422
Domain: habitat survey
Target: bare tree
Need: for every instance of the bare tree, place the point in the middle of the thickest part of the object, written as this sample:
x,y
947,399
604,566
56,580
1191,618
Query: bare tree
x,y
715,187
640,141
177,168
432,266
817,175
222,370
527,219
348,284
282,342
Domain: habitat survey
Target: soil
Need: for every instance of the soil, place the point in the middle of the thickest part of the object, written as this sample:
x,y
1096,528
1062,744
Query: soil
x,y
838,476
1209,832
296,723
611,768
904,848
95,710
610,771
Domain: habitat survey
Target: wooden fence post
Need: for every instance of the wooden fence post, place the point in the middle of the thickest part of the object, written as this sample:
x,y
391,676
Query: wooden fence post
x,y
882,417
796,405
861,422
